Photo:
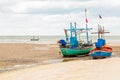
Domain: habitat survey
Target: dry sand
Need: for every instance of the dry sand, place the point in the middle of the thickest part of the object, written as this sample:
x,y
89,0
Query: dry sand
x,y
104,69
15,54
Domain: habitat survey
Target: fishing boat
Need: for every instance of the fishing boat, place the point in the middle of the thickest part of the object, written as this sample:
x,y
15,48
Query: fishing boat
x,y
34,39
73,46
101,50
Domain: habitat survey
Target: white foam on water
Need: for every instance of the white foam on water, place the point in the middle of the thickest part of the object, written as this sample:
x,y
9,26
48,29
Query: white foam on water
x,y
18,66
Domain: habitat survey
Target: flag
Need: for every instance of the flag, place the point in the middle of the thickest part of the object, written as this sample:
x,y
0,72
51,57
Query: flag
x,y
86,16
65,31
86,20
100,16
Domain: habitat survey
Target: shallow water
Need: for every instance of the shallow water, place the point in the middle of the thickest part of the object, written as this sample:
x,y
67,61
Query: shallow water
x,y
20,66
49,39
14,66
8,65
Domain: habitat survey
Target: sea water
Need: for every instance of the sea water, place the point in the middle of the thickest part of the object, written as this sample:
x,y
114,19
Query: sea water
x,y
51,39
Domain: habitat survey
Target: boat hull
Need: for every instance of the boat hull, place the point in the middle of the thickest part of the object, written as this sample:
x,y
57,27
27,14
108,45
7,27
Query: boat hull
x,y
105,51
101,54
74,52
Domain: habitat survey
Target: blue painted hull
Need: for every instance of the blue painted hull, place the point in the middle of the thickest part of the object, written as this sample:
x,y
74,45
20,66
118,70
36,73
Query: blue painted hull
x,y
101,54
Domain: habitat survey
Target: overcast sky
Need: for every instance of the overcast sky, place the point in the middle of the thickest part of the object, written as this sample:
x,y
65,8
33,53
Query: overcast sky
x,y
50,17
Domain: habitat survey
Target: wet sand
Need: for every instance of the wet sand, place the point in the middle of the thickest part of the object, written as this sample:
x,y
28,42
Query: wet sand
x,y
26,54
16,56
102,69
22,54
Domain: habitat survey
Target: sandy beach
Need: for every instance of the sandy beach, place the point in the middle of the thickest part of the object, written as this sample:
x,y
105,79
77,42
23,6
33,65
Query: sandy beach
x,y
105,69
35,60
15,54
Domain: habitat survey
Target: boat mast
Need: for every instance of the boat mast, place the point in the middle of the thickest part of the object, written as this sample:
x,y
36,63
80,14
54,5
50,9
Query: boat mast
x,y
71,29
66,35
75,30
86,26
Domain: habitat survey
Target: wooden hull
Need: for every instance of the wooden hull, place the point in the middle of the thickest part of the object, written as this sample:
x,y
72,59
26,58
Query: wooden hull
x,y
101,54
105,51
74,52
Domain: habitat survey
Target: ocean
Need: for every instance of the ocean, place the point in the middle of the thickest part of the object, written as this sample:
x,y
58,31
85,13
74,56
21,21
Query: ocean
x,y
50,39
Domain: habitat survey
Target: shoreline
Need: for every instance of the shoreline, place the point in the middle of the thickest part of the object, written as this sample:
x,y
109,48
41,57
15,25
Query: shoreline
x,y
17,56
73,70
13,54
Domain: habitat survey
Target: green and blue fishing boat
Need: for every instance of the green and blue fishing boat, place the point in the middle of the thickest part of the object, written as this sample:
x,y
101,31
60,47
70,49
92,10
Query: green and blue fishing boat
x,y
72,46
74,52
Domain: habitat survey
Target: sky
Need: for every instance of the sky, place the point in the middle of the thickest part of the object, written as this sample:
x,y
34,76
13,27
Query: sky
x,y
50,17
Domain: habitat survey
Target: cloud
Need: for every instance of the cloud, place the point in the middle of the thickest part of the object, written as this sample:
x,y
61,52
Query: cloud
x,y
66,7
27,17
61,0
49,7
50,11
